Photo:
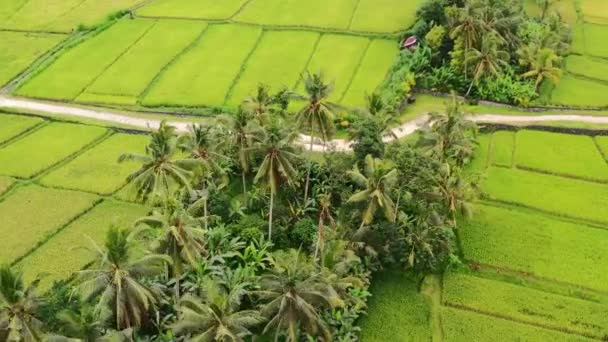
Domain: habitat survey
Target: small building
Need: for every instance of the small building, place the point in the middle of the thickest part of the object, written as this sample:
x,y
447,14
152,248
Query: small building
x,y
409,43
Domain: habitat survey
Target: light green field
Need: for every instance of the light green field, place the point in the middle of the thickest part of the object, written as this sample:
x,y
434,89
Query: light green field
x,y
384,15
204,75
602,143
572,91
595,39
482,154
97,170
465,326
564,154
201,9
502,148
106,99
31,213
398,312
562,196
525,304
18,50
77,68
67,252
578,39
373,69
588,66
537,244
131,74
595,10
333,14
59,15
35,152
275,64
337,57
13,125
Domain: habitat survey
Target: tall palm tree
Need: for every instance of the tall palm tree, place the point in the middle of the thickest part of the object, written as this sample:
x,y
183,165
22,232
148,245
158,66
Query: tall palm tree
x,y
204,145
215,317
317,115
242,131
488,60
468,28
296,291
377,181
18,306
260,103
324,215
543,66
277,166
116,279
181,236
455,191
161,172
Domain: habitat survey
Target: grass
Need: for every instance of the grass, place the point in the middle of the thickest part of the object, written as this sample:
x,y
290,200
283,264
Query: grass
x,y
561,196
564,154
66,252
595,10
373,69
132,73
502,148
537,244
464,326
78,67
201,9
384,15
337,58
5,184
526,305
32,213
333,14
578,39
13,125
18,50
573,91
275,64
396,310
97,170
588,66
204,75
595,36
61,15
480,160
43,148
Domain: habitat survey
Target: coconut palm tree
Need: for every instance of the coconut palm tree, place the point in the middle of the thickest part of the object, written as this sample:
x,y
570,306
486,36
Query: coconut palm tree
x,y
242,132
217,316
277,166
181,236
488,60
377,181
543,66
18,306
295,292
317,115
455,191
260,103
161,172
468,28
205,146
116,280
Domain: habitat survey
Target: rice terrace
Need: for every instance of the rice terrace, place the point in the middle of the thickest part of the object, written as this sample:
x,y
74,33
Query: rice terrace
x,y
304,170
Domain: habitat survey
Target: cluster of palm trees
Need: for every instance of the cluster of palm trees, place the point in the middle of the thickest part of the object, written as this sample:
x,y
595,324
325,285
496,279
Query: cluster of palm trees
x,y
487,30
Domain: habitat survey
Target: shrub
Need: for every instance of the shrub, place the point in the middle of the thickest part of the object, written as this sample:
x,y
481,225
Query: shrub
x,y
505,89
248,227
303,233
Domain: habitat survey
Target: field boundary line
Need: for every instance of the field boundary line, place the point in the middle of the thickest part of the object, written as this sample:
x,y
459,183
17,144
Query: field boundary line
x,y
68,11
239,74
48,237
17,10
137,40
72,156
352,15
313,51
15,30
520,321
577,220
171,63
356,71
561,175
239,10
23,134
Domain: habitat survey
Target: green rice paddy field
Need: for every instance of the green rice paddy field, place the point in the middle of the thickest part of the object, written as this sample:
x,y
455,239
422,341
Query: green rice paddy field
x,y
57,182
535,251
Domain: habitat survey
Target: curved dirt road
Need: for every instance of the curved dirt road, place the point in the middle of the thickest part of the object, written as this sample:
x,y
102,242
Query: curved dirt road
x,y
401,131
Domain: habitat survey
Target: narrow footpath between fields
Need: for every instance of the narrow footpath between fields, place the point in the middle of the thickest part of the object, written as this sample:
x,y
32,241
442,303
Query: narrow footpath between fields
x,y
401,131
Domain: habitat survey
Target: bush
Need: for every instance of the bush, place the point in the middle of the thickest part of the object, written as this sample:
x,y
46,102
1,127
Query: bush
x,y
505,89
248,227
303,233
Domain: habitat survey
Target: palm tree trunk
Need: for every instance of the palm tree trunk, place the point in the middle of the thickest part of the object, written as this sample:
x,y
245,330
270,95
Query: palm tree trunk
x,y
270,216
205,205
308,171
245,199
319,237
469,90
